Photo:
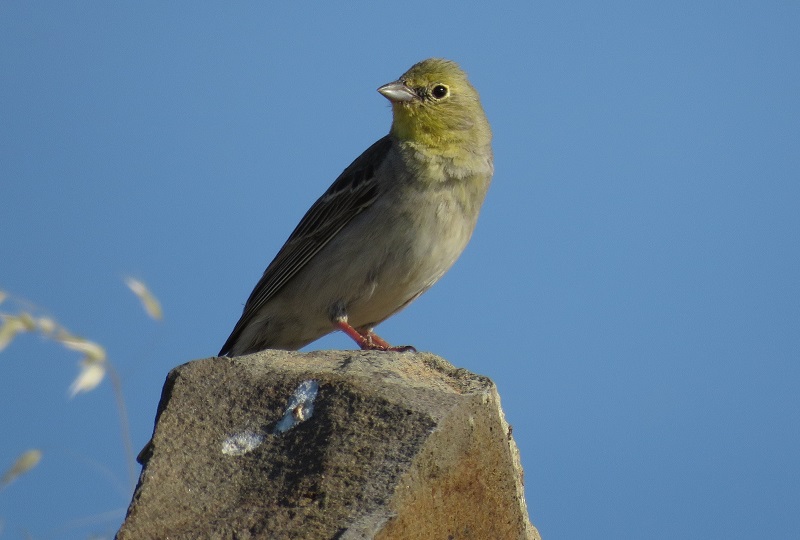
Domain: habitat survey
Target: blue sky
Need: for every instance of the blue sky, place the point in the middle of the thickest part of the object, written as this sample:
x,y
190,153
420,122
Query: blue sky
x,y
633,286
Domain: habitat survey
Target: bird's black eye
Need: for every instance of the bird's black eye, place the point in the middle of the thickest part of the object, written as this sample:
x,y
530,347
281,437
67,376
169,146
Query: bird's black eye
x,y
439,91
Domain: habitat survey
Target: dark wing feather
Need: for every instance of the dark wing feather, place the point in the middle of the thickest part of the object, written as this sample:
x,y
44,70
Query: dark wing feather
x,y
352,192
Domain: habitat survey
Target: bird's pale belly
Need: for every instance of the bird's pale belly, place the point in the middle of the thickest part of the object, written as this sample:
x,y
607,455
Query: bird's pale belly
x,y
408,266
389,275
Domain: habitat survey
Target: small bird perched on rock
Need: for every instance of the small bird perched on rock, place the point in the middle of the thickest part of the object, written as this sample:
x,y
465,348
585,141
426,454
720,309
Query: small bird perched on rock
x,y
387,229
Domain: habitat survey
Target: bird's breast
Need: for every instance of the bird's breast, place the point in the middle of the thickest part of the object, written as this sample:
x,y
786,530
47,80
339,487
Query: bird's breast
x,y
430,230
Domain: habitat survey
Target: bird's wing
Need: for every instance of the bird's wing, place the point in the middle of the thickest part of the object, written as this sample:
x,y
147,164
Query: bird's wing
x,y
352,192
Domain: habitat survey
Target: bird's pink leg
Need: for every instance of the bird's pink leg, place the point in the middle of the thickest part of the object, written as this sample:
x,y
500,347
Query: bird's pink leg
x,y
369,340
353,333
377,340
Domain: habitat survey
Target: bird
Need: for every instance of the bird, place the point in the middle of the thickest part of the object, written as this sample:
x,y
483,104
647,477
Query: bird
x,y
392,223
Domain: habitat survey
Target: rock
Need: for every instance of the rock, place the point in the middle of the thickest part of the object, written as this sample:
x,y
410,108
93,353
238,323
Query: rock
x,y
331,444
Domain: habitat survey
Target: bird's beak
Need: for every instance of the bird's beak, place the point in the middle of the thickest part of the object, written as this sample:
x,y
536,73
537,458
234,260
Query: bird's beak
x,y
397,92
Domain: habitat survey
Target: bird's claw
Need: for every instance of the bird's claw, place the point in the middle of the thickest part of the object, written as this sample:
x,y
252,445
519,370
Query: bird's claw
x,y
402,348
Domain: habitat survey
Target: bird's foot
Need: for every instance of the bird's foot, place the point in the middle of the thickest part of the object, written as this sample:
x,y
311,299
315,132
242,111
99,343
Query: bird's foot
x,y
369,340
381,344
402,348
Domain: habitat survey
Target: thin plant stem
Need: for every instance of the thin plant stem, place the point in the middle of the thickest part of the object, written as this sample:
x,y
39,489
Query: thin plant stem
x,y
125,428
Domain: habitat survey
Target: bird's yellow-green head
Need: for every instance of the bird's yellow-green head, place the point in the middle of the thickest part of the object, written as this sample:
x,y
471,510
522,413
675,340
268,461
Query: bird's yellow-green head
x,y
435,105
